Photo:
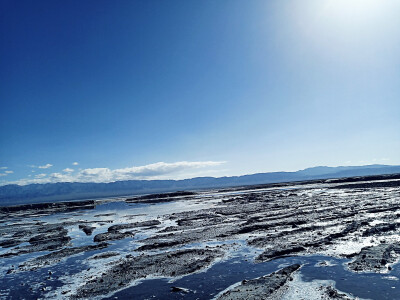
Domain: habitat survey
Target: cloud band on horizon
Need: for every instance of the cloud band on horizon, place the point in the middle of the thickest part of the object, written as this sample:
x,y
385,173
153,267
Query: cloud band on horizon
x,y
159,170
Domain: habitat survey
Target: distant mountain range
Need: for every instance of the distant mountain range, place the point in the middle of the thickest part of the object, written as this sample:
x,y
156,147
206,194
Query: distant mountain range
x,y
16,194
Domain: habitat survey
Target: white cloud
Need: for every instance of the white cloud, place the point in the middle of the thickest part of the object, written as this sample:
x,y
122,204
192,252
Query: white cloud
x,y
46,166
40,175
160,170
58,177
75,163
3,168
5,172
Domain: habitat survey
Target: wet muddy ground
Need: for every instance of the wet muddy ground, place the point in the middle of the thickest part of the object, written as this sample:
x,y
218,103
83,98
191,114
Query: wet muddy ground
x,y
285,241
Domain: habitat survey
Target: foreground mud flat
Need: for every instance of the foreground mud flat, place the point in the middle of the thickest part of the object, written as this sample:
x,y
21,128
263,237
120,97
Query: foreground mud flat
x,y
278,285
99,249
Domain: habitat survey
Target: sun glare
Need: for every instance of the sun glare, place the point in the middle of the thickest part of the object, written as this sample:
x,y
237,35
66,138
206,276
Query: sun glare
x,y
353,12
343,28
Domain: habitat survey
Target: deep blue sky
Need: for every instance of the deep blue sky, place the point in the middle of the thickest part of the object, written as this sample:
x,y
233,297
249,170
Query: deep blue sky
x,y
259,85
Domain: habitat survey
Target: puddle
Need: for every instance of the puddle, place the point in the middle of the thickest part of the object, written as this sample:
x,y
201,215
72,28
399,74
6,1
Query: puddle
x,y
206,285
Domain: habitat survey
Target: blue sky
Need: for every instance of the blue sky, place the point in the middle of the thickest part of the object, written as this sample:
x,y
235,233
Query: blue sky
x,y
109,90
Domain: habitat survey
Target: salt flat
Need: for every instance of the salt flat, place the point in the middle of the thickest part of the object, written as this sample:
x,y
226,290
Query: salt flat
x,y
329,229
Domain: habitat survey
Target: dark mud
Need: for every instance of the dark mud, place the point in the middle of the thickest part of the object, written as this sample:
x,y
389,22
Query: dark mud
x,y
156,198
45,208
376,259
115,232
167,264
56,256
24,238
104,255
119,227
88,230
41,237
260,288
112,236
331,293
383,184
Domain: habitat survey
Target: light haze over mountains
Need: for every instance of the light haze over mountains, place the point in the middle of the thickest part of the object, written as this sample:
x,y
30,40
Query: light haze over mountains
x,y
14,194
